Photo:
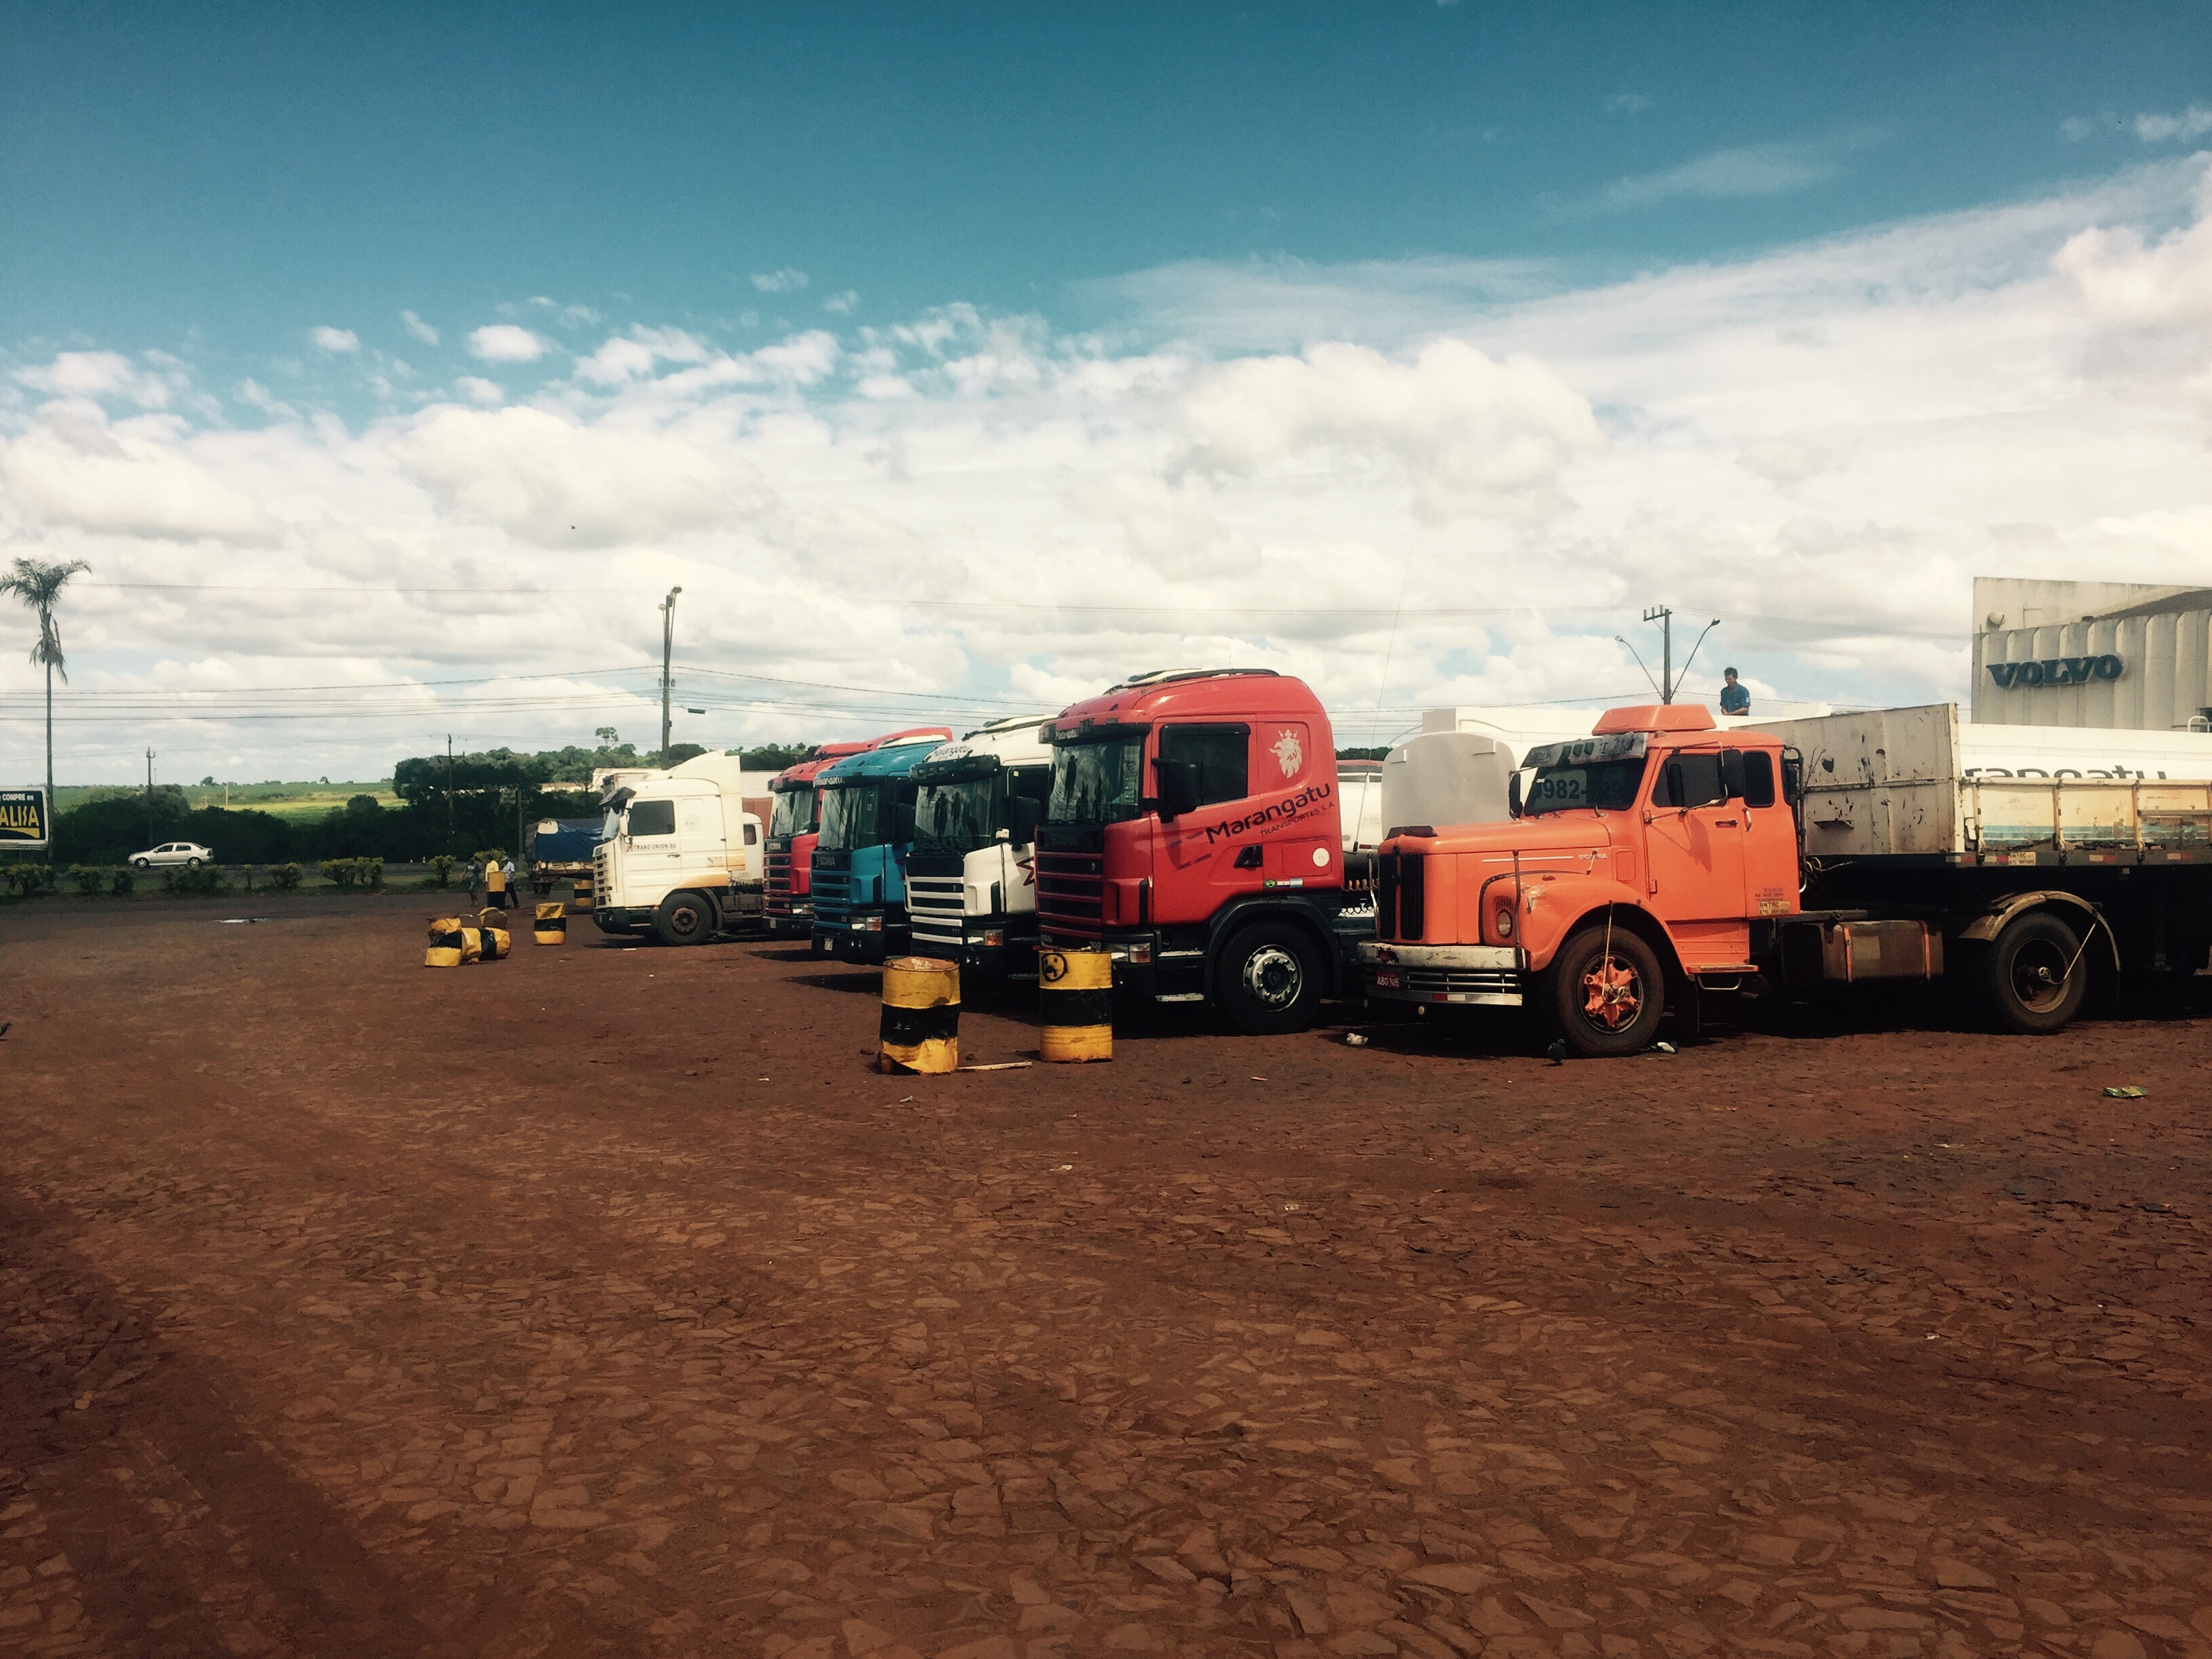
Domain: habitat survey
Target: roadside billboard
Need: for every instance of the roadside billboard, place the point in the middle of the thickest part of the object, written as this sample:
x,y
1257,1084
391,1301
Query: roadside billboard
x,y
23,822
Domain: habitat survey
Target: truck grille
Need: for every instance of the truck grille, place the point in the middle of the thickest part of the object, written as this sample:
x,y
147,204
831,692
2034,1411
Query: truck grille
x,y
1401,895
1439,982
831,882
1071,895
936,905
780,900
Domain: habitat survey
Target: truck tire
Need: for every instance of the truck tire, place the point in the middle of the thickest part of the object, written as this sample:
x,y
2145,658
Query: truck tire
x,y
2035,975
1608,995
684,918
1267,981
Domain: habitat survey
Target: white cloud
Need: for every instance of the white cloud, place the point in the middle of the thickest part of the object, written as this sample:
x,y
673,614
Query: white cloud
x,y
567,316
421,330
505,342
842,304
1750,170
1628,103
477,390
2192,123
1821,445
1467,434
786,281
254,395
339,340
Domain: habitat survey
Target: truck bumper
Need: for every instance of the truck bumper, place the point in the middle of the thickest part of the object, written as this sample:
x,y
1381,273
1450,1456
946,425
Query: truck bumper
x,y
1486,976
794,923
866,936
988,948
1144,969
613,920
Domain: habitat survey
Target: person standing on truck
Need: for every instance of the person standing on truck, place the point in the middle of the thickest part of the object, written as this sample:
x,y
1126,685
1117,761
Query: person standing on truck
x,y
1735,698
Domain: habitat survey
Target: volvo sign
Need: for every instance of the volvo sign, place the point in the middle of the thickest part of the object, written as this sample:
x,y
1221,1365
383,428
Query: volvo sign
x,y
2056,671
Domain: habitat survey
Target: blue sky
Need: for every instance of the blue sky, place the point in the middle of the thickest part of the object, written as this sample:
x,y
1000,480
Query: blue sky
x,y
973,356
243,174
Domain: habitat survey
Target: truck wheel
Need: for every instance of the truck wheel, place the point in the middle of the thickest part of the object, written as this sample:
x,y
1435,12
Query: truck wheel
x,y
2034,975
684,919
1608,995
1267,981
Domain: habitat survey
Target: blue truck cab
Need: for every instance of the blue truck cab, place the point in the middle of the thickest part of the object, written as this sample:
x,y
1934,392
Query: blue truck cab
x,y
860,862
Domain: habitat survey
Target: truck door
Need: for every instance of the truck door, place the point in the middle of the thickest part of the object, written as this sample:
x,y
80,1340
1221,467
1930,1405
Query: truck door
x,y
699,837
1694,838
1206,856
652,858
1769,834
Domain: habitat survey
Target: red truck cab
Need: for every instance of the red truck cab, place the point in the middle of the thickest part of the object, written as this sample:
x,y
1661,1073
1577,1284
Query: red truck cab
x,y
1647,861
1192,832
795,825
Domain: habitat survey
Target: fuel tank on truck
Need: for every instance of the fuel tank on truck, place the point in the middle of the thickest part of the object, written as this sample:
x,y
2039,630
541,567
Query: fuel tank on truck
x,y
1442,778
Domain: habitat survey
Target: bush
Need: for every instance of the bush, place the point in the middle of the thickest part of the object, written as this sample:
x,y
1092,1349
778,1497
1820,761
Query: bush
x,y
285,878
89,877
28,879
124,879
346,874
185,881
441,869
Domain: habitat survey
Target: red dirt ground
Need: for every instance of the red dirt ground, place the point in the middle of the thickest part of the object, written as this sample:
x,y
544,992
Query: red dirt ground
x,y
605,1300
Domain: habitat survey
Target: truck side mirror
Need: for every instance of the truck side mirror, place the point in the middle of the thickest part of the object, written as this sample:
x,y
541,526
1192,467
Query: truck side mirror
x,y
1732,780
1178,787
1513,796
1022,814
1793,776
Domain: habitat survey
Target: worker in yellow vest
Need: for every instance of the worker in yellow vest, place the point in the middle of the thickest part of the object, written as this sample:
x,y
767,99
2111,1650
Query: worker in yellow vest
x,y
494,883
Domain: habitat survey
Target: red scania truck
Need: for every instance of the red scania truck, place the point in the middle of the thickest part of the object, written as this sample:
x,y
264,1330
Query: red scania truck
x,y
796,824
1192,832
1660,862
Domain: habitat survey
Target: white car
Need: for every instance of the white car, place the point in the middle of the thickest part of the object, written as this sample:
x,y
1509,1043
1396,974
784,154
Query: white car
x,y
173,852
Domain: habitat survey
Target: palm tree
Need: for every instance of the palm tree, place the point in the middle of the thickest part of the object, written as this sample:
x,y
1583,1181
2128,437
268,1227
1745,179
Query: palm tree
x,y
40,585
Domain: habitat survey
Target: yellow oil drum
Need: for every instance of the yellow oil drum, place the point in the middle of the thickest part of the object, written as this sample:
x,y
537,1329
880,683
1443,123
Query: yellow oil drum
x,y
453,941
922,1015
552,926
1075,1005
494,943
580,896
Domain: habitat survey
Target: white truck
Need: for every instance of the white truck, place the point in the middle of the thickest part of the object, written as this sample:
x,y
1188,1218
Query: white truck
x,y
971,878
681,857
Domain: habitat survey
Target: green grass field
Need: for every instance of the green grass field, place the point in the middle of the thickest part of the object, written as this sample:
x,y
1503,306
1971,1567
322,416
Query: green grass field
x,y
285,801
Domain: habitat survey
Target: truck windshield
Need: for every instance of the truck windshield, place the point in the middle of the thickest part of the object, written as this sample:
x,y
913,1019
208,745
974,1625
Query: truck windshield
x,y
1096,782
956,817
1604,785
794,811
852,817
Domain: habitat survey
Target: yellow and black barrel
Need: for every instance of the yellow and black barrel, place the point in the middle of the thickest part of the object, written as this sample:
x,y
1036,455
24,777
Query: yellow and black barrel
x,y
494,942
580,896
551,927
1075,998
922,1015
451,944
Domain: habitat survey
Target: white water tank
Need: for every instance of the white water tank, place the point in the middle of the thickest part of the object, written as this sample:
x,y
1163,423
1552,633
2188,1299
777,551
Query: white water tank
x,y
1442,778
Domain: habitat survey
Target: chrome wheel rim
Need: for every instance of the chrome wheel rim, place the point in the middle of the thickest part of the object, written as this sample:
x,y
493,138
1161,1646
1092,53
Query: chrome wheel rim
x,y
1273,976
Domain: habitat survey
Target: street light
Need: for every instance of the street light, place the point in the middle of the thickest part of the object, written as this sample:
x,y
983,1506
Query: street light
x,y
667,650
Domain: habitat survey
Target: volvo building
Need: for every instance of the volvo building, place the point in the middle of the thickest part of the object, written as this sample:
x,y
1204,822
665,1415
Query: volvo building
x,y
2119,655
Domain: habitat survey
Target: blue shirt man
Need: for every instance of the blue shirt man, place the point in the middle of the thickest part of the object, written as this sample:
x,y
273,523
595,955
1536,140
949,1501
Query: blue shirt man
x,y
1734,699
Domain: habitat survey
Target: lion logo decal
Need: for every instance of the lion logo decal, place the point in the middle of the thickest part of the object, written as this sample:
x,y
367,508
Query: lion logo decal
x,y
1289,753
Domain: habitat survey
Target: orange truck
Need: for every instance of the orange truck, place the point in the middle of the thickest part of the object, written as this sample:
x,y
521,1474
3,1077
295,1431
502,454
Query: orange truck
x,y
1661,863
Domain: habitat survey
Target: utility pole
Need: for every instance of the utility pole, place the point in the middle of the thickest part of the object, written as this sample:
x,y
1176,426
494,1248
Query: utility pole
x,y
667,653
449,792
1665,618
149,798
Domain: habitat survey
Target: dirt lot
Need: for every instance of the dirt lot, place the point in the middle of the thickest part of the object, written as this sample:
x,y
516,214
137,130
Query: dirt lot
x,y
603,1300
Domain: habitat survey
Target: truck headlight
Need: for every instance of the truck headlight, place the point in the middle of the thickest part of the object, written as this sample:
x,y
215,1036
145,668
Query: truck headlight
x,y
874,924
994,936
1505,922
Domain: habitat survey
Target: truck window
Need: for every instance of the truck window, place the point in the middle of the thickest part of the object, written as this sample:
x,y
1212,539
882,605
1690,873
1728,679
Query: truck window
x,y
794,811
1604,785
956,818
851,817
1221,754
1758,778
1689,779
1096,782
653,817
